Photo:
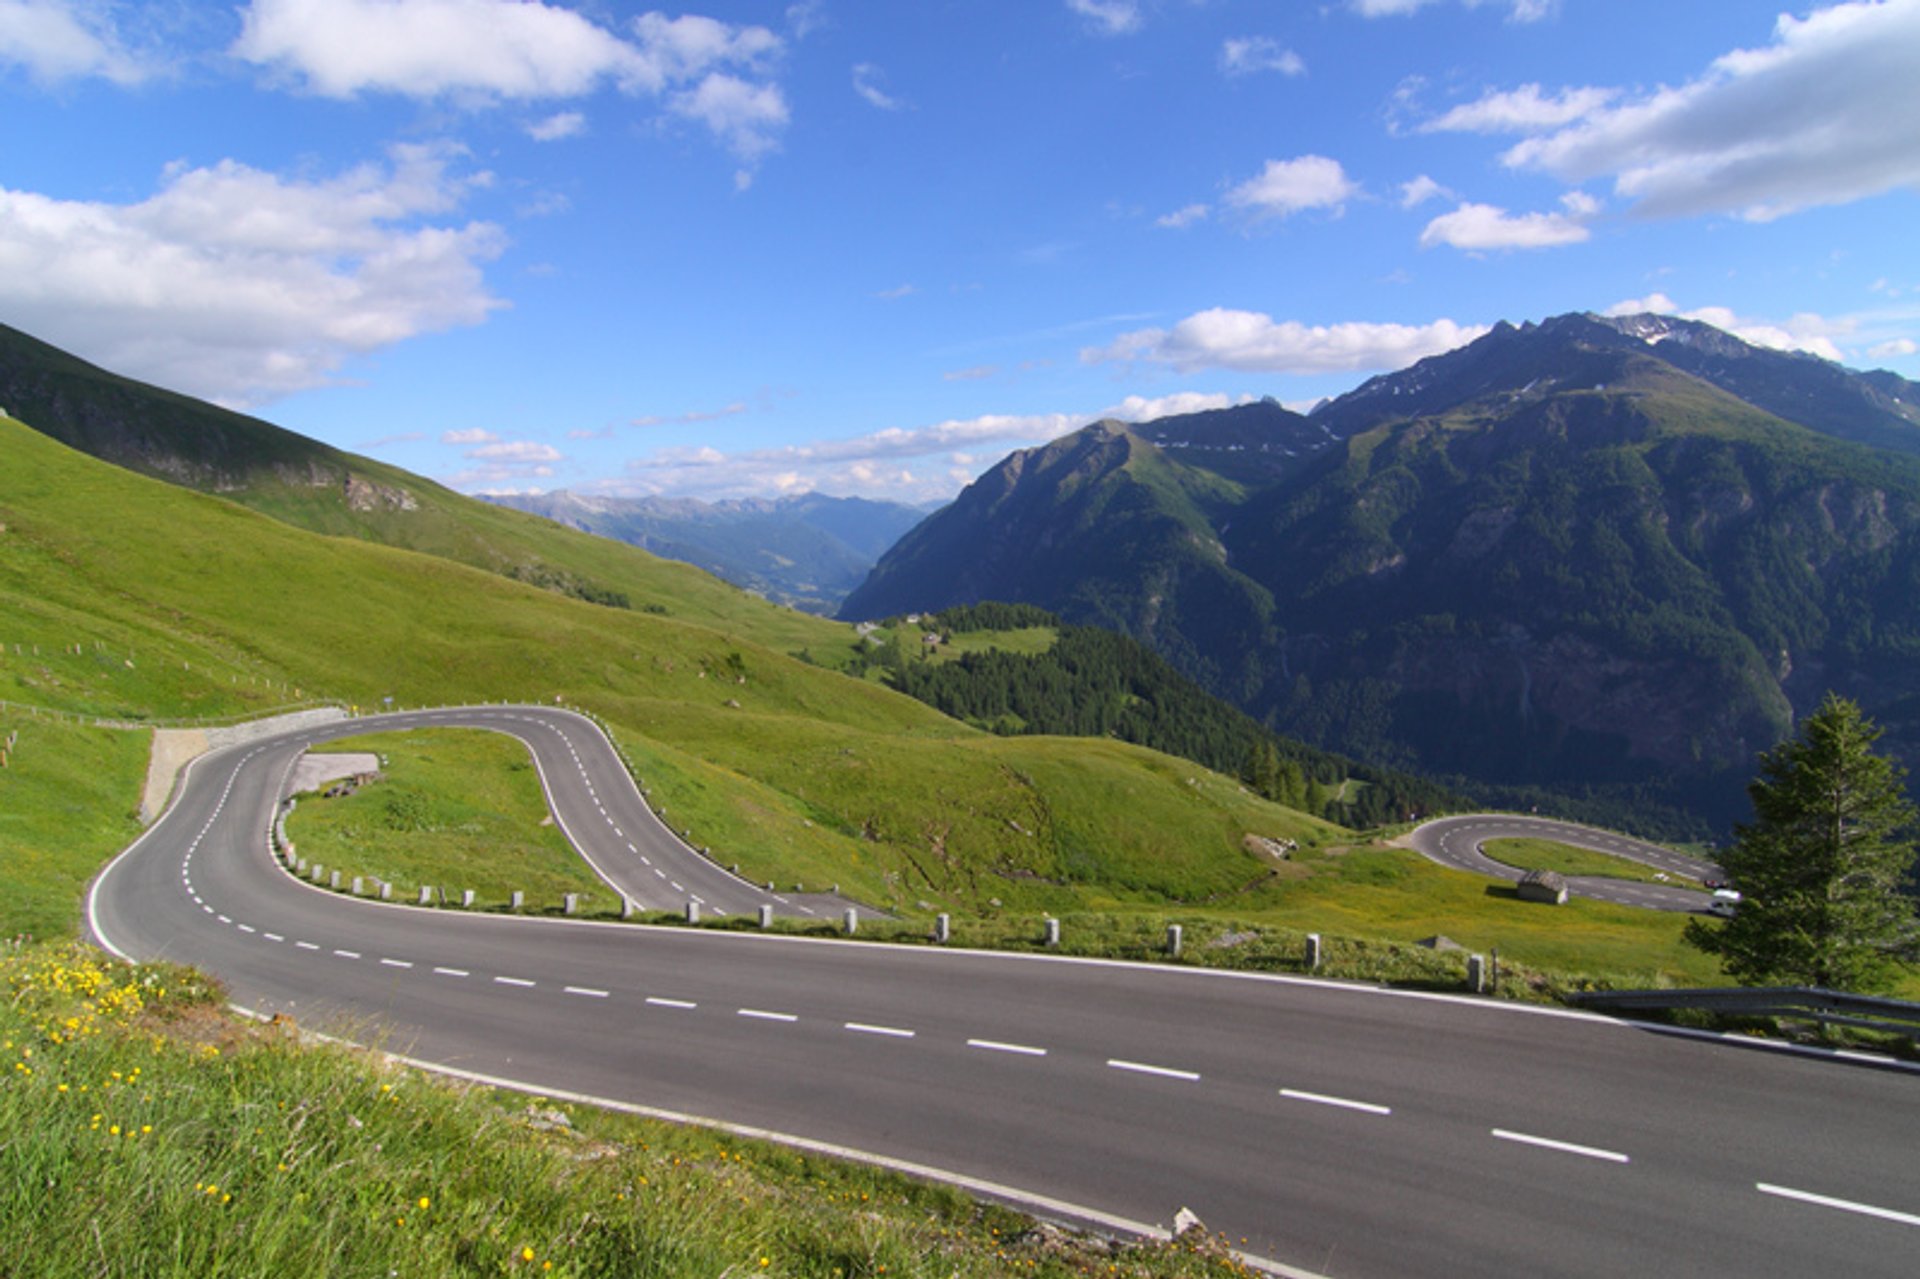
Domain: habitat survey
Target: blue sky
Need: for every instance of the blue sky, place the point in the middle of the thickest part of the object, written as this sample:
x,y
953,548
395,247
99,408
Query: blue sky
x,y
870,246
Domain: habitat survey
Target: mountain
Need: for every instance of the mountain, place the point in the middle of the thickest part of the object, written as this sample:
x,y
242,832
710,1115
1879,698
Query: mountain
x,y
1596,555
806,552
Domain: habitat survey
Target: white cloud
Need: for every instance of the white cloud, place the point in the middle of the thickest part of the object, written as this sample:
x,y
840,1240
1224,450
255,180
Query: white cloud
x,y
866,79
240,285
1810,333
1517,10
1828,113
896,293
1522,110
692,416
565,124
1423,188
707,71
1109,17
1248,341
1287,187
978,373
475,435
1181,218
1894,349
520,452
1249,55
1480,227
57,40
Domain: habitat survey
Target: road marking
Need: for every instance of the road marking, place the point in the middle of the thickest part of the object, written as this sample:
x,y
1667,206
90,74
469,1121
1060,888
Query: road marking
x,y
347,954
223,919
995,1046
1566,1147
861,1028
453,972
306,945
1844,1205
273,936
513,981
248,928
585,990
1342,1102
767,1016
1142,1068
671,1003
397,963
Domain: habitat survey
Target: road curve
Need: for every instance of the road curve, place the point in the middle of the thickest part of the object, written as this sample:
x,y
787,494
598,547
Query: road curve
x,y
1456,842
1338,1129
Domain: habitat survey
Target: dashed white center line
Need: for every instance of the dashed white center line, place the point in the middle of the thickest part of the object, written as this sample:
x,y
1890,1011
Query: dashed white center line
x,y
1565,1147
671,1003
513,981
453,972
995,1046
1844,1205
397,963
1344,1103
585,990
248,928
862,1028
306,945
273,936
1141,1068
347,954
763,1015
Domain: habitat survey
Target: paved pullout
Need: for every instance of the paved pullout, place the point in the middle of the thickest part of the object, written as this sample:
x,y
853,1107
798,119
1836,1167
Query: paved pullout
x,y
1457,841
1341,1129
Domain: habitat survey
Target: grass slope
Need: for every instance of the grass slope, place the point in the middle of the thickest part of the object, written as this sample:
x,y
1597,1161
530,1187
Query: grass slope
x,y
786,767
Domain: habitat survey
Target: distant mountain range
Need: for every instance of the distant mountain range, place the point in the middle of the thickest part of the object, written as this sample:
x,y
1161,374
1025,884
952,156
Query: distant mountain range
x,y
1610,556
806,552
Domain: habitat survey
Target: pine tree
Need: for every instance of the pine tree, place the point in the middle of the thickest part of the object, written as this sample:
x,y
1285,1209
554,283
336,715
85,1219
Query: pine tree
x,y
1820,867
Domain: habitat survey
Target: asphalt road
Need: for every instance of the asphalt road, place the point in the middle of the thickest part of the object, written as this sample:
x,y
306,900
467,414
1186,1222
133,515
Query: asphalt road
x,y
1338,1129
1456,842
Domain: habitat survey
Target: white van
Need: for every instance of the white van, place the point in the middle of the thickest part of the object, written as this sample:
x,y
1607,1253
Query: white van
x,y
1725,903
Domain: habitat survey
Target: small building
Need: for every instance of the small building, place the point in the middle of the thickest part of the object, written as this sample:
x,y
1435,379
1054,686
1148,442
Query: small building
x,y
1544,886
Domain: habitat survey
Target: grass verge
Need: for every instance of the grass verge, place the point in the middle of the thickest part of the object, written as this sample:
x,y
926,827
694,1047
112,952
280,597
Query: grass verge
x,y
1547,854
150,1134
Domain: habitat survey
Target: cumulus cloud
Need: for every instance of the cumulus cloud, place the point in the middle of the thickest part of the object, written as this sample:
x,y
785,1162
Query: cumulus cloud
x,y
1893,349
1523,110
55,40
240,285
1181,218
1286,187
1482,227
1251,342
1423,188
565,124
1109,17
1805,332
703,70
1828,113
1250,55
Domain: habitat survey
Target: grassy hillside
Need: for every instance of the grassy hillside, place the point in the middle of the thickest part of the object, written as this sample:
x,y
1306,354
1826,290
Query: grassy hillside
x,y
146,600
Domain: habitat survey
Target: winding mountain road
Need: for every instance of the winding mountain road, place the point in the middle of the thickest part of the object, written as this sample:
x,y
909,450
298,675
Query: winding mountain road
x,y
1457,842
1338,1129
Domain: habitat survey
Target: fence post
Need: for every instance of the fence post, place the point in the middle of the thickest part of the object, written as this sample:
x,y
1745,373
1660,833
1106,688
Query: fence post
x,y
626,907
943,929
1173,940
570,903
766,915
426,895
518,900
359,886
852,921
693,911
466,899
1313,952
1053,932
1477,973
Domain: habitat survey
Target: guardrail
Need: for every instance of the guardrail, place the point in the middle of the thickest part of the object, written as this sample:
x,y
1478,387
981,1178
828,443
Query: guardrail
x,y
1803,1003
122,721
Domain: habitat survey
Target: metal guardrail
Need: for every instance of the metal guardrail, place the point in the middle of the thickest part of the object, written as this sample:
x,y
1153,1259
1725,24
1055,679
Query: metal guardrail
x,y
122,721
1804,1003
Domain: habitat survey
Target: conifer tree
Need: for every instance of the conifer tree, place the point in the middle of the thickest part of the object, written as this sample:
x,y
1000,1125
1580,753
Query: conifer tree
x,y
1820,867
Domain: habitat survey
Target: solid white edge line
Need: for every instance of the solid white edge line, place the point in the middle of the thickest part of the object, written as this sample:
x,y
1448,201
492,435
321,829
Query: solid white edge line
x,y
1344,1103
1041,1205
1565,1147
1141,1068
1844,1205
995,1045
